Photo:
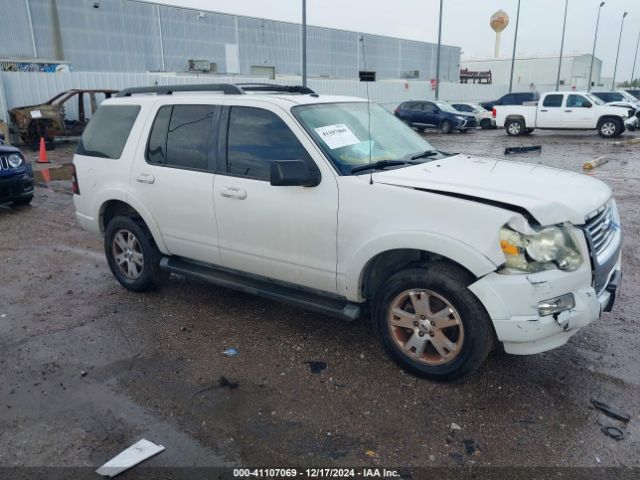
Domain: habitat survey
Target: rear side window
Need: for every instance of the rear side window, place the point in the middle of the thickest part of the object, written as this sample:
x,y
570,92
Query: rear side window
x,y
256,138
108,131
553,101
184,136
463,108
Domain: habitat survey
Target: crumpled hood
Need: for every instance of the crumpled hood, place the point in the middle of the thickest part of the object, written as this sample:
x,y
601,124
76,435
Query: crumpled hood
x,y
549,194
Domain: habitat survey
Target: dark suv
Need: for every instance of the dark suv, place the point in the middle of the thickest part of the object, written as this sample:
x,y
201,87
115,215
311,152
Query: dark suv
x,y
421,115
518,98
16,176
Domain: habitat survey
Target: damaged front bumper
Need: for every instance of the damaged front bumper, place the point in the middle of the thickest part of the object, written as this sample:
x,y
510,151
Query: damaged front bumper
x,y
512,303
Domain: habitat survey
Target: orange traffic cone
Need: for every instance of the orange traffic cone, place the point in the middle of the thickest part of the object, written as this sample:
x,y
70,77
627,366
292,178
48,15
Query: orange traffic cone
x,y
42,158
46,175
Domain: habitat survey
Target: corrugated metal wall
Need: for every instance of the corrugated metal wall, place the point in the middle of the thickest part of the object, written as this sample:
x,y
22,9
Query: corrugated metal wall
x,y
134,36
28,88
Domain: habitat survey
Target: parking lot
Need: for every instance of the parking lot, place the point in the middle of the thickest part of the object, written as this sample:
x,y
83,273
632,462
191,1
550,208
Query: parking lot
x,y
89,368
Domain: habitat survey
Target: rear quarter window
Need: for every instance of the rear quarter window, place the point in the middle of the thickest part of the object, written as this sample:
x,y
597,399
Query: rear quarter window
x,y
108,131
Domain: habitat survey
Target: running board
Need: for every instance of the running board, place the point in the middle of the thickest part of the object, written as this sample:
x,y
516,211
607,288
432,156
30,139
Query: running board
x,y
335,307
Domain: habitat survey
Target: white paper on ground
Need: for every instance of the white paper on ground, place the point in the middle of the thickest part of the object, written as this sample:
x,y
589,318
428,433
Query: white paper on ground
x,y
336,136
136,453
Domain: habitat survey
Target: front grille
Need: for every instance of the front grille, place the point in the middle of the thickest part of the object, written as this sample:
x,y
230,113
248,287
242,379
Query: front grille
x,y
605,240
4,163
602,228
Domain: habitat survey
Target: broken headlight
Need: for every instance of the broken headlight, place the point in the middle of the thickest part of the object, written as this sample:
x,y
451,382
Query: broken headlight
x,y
551,247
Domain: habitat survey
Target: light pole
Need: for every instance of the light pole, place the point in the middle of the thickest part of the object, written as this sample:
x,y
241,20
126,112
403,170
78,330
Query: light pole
x,y
615,69
593,53
304,43
564,28
515,43
633,72
438,54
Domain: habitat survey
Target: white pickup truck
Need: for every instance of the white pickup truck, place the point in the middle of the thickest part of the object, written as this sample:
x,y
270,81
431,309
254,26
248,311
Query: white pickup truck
x,y
565,111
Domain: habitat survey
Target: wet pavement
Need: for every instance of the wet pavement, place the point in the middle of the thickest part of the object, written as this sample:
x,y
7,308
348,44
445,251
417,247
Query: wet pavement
x,y
88,368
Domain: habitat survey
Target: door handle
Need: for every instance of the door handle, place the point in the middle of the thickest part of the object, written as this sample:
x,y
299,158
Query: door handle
x,y
145,178
231,192
568,111
544,110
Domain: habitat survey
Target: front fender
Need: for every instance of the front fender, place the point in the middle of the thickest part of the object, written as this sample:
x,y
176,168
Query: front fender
x,y
350,281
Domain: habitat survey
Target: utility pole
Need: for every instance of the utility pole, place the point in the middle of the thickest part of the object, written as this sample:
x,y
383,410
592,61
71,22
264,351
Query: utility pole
x,y
304,43
564,28
593,54
615,70
515,43
633,72
438,54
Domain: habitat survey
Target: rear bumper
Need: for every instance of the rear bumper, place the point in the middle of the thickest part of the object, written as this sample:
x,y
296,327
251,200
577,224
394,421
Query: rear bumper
x,y
16,187
512,301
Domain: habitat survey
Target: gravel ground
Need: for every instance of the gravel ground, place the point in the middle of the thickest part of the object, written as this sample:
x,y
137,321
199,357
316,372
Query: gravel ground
x,y
88,368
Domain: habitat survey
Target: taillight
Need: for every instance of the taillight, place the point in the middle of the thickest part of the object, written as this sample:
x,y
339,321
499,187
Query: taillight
x,y
493,112
75,188
396,110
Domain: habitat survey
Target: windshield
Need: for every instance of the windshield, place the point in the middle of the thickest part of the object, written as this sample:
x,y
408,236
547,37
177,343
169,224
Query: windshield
x,y
341,130
594,99
445,107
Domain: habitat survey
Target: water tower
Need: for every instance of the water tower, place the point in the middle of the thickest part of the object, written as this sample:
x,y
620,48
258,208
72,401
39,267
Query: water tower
x,y
499,21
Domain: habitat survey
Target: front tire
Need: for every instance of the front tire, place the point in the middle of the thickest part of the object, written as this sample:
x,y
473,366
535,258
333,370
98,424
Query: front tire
x,y
610,128
133,257
431,324
446,127
515,127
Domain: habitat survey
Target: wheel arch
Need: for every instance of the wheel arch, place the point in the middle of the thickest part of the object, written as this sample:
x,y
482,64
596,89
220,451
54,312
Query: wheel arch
x,y
511,118
371,264
113,207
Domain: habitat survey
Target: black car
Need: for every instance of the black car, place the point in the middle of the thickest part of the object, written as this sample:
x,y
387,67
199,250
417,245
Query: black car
x,y
518,98
423,114
16,176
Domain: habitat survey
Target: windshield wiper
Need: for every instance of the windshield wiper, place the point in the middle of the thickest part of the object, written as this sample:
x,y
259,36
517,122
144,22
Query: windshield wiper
x,y
382,164
425,154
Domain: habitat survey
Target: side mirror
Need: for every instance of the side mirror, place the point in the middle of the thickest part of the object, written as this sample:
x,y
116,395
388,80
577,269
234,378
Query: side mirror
x,y
294,173
587,105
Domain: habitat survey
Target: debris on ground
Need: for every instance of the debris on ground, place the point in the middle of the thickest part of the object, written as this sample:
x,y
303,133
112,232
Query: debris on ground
x,y
136,453
613,432
610,411
470,446
83,373
516,150
595,162
225,382
370,453
316,367
455,426
230,352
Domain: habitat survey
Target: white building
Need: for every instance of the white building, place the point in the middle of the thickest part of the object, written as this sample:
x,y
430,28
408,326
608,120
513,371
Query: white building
x,y
539,71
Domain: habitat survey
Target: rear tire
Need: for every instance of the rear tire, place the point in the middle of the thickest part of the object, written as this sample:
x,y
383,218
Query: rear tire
x,y
515,127
431,324
485,124
610,127
132,254
446,127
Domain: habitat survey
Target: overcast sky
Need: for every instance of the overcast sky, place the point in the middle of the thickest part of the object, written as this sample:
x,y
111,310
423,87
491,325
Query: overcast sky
x,y
465,23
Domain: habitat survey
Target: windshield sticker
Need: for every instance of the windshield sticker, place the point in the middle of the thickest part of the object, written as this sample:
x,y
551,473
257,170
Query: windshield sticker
x,y
336,136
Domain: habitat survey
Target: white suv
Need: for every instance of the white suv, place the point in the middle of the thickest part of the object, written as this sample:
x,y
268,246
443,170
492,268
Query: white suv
x,y
333,204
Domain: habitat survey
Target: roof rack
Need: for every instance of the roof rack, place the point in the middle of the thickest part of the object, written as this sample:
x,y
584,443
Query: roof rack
x,y
270,87
226,88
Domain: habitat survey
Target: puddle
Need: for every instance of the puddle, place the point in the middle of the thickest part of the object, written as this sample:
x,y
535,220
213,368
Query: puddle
x,y
53,174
